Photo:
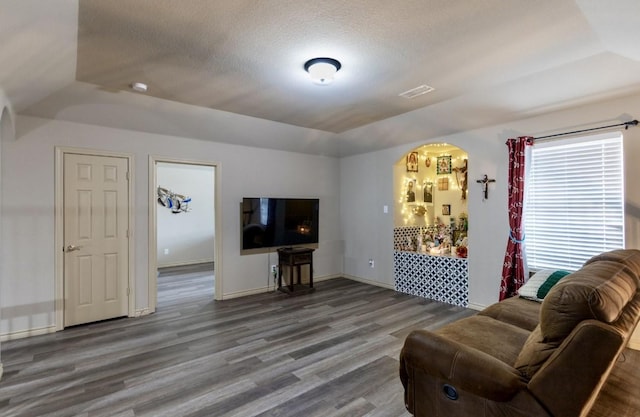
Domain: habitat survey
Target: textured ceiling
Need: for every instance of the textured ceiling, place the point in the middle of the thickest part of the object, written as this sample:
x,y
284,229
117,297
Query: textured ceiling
x,y
247,57
225,71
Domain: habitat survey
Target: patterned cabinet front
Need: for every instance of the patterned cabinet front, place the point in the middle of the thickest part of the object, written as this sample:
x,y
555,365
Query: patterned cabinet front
x,y
440,278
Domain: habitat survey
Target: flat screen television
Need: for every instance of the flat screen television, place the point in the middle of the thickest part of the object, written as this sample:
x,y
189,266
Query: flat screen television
x,y
278,222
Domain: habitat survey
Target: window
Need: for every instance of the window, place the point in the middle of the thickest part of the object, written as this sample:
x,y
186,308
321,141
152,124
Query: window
x,y
574,208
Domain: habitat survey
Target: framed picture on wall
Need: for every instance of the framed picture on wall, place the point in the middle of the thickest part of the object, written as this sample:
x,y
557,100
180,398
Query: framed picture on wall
x,y
446,209
427,191
411,191
444,164
443,184
412,162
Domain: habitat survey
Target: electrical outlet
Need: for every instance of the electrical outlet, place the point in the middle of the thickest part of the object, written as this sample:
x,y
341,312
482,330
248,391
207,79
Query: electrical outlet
x,y
371,263
274,269
166,251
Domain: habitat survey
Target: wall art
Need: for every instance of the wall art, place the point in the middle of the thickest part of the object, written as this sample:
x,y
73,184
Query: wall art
x,y
444,164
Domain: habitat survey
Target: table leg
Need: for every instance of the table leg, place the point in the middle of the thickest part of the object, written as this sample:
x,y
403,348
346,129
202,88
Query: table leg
x,y
291,278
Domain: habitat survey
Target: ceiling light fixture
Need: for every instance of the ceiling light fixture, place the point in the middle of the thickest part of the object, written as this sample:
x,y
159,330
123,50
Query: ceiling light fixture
x,y
139,87
322,70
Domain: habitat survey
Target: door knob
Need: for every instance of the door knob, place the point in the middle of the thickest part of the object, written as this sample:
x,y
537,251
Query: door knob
x,y
71,248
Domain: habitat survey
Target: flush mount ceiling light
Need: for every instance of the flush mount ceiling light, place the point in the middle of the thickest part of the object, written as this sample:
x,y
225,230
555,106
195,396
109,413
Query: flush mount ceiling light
x,y
322,70
139,87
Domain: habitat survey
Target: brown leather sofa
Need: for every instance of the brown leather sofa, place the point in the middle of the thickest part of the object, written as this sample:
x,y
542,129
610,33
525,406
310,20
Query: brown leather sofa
x,y
524,358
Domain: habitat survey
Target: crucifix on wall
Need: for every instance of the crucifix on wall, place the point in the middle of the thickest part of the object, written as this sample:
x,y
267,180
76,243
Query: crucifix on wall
x,y
485,185
461,178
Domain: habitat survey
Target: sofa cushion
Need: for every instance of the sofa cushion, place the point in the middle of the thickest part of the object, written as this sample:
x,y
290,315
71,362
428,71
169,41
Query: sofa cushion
x,y
501,340
628,257
599,290
538,286
534,354
515,310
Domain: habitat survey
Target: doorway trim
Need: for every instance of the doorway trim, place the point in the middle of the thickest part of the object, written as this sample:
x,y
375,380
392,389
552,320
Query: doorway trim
x,y
58,232
153,224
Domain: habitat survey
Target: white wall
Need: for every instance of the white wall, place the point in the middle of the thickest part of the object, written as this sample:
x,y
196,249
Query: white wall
x,y
188,237
27,285
352,194
367,186
6,133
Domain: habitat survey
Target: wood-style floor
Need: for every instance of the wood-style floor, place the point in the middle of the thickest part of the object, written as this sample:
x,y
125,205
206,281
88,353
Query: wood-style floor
x,y
330,353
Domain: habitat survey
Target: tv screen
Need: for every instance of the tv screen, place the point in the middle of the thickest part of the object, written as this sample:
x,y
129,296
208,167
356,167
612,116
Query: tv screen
x,y
276,222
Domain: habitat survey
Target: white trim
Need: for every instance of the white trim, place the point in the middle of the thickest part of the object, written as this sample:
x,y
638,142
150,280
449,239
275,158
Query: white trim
x,y
370,282
186,263
475,306
21,334
153,236
142,312
326,277
58,233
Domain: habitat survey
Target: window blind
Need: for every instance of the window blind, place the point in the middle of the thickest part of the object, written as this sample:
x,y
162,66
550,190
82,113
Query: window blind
x,y
574,207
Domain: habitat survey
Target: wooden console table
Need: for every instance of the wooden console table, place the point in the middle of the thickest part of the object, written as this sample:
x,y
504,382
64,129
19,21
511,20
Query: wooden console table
x,y
295,257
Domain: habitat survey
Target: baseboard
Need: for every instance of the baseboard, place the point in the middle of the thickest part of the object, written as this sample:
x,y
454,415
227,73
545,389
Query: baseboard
x,y
478,307
327,277
270,288
27,333
142,312
186,263
370,282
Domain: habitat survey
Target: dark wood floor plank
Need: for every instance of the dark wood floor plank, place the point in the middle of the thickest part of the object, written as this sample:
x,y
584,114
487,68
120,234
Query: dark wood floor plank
x,y
331,353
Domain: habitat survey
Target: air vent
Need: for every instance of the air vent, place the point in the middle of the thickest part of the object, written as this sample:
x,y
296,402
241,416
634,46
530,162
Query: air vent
x,y
418,91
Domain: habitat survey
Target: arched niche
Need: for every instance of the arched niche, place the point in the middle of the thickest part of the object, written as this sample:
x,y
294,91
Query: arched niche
x,y
431,223
430,186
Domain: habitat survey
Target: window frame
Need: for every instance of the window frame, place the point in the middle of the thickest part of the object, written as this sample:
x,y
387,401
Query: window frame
x,y
576,239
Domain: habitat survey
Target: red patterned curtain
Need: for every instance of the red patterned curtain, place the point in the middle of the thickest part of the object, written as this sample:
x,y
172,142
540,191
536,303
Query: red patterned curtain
x,y
513,268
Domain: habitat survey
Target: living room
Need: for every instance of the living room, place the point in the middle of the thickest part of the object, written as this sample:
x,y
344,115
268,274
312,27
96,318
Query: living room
x,y
258,157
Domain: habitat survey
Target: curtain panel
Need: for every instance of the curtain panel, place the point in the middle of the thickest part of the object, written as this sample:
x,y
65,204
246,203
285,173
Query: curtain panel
x,y
513,270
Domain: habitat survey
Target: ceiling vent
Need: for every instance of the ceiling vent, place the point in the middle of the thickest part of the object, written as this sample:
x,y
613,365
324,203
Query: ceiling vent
x,y
418,91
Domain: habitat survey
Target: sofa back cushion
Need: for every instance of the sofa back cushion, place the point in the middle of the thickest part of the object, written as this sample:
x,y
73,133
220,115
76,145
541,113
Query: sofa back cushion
x,y
629,257
600,291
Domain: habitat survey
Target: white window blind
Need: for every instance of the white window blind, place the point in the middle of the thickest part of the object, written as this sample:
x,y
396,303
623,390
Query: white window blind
x,y
574,207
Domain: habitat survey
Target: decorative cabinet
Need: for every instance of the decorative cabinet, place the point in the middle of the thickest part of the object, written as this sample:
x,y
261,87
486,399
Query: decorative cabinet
x,y
440,278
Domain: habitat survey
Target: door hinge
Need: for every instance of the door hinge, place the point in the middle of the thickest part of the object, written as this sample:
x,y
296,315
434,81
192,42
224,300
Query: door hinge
x,y
128,291
127,175
127,232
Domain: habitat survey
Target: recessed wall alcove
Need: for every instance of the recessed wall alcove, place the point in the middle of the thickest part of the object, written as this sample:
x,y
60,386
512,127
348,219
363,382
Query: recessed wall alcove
x,y
431,223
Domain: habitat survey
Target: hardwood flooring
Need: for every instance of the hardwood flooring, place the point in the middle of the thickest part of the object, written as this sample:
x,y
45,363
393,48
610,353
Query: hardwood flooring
x,y
330,353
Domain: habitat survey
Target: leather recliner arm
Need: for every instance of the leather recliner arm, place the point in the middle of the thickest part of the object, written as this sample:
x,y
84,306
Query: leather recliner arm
x,y
461,366
569,380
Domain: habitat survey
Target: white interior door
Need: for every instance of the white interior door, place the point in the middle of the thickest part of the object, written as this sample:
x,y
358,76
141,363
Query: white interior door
x,y
95,238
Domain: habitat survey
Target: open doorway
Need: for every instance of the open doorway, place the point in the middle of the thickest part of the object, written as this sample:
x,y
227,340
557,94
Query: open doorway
x,y
183,260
